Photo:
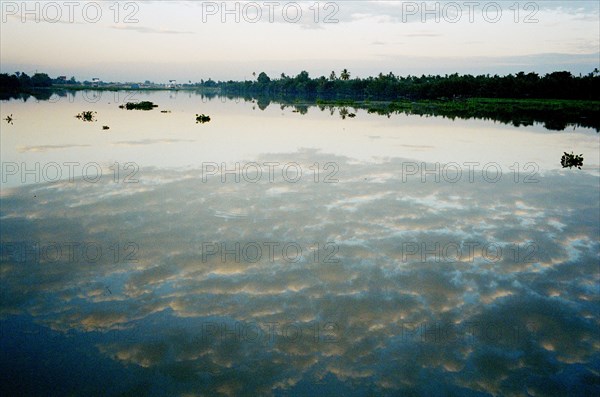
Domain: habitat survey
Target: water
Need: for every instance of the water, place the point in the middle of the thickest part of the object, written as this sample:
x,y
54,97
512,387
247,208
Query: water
x,y
274,252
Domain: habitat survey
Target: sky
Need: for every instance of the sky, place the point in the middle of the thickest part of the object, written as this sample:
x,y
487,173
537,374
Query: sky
x,y
194,40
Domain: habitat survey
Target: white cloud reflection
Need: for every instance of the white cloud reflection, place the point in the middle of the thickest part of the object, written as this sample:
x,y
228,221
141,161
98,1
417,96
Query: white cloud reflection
x,y
401,324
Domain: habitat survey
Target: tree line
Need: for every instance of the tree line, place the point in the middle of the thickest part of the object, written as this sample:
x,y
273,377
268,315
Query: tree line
x,y
21,82
384,87
389,87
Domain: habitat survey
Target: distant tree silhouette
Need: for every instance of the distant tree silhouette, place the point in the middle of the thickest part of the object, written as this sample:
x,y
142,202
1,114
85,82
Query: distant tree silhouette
x,y
41,80
263,78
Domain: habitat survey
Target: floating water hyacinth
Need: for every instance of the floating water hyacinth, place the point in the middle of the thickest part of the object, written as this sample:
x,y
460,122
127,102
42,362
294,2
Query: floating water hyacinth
x,y
144,105
202,118
87,115
571,160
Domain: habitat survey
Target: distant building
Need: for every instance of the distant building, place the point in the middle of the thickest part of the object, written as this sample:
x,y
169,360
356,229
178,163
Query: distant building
x,y
95,82
62,78
172,84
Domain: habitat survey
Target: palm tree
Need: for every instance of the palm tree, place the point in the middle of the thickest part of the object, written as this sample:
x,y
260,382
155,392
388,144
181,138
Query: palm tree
x,y
345,75
332,76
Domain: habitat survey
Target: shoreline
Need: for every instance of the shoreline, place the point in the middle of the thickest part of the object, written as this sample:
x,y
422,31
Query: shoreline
x,y
555,114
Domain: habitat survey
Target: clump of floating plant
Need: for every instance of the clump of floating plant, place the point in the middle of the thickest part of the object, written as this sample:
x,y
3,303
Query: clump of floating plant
x,y
105,127
87,115
202,118
144,105
9,119
571,160
165,111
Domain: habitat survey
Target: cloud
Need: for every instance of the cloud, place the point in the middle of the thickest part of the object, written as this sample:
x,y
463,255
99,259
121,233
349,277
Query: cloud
x,y
146,29
417,147
151,142
541,63
45,148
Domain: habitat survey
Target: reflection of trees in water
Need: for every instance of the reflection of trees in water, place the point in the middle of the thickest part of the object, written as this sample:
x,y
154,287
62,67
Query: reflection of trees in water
x,y
297,108
556,115
345,113
263,102
40,95
302,109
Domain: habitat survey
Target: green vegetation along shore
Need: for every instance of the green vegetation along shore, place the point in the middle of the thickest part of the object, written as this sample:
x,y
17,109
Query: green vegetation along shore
x,y
558,100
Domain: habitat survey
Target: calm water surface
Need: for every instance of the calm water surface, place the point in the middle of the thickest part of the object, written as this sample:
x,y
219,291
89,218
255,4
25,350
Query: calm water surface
x,y
270,252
